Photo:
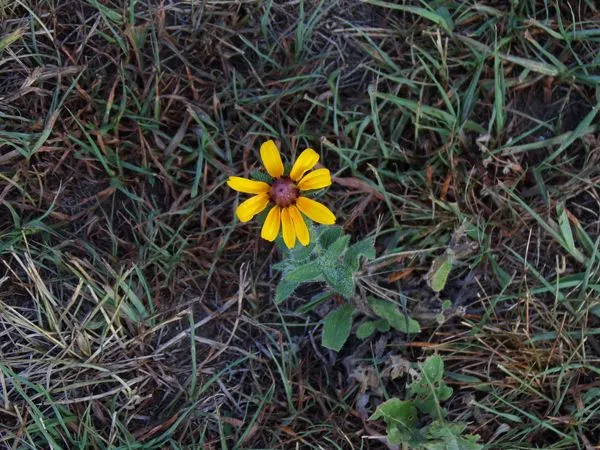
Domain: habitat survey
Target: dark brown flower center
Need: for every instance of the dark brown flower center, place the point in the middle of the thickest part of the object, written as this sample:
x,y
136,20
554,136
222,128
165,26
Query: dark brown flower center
x,y
284,192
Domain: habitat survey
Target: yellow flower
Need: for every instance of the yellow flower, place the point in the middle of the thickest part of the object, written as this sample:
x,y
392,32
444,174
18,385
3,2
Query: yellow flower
x,y
284,195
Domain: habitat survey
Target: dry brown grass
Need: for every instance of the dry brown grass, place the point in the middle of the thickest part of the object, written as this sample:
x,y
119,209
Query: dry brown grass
x,y
134,311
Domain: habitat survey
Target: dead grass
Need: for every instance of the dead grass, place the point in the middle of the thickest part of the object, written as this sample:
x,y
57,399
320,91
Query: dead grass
x,y
134,311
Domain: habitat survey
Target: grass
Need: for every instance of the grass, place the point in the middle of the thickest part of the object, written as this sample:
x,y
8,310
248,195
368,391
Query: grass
x,y
135,312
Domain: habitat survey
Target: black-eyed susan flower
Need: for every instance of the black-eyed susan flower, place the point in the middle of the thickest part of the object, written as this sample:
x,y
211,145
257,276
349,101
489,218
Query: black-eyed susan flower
x,y
284,193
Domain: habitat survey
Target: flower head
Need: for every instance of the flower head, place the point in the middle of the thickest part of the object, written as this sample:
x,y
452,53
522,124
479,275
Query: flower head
x,y
285,196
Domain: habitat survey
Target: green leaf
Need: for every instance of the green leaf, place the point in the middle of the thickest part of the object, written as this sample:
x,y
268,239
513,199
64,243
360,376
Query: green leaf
x,y
418,108
366,329
549,228
578,133
395,436
501,275
440,269
259,175
305,272
433,368
391,313
110,14
301,253
315,301
433,16
284,289
429,390
398,412
443,12
335,250
365,248
11,38
329,235
565,227
280,244
533,65
441,435
282,266
340,278
426,403
382,325
444,392
336,327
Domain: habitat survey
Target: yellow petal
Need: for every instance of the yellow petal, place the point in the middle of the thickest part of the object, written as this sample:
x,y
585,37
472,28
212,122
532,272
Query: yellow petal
x,y
270,228
316,179
289,233
315,211
251,207
271,159
299,225
306,161
247,186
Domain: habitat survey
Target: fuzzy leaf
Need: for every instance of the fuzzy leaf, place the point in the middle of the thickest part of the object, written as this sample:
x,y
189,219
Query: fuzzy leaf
x,y
335,250
284,289
340,278
282,265
329,235
261,176
397,320
365,248
301,253
304,273
336,327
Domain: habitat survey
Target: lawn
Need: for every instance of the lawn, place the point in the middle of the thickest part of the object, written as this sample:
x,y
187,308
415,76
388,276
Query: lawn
x,y
455,304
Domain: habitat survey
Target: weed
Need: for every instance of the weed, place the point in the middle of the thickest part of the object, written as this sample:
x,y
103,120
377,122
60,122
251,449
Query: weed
x,y
462,142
